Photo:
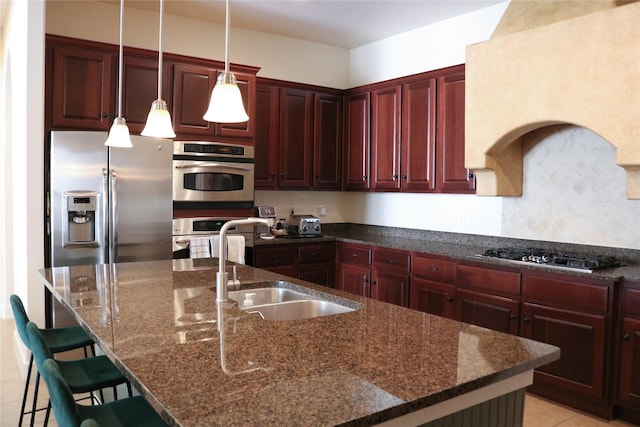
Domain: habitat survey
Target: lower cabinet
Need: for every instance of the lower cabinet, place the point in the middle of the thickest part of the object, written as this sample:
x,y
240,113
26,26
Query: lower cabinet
x,y
381,274
311,262
628,372
432,289
575,315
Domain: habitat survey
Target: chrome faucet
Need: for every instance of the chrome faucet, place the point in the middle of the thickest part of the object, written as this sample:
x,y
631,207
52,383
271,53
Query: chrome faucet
x,y
222,281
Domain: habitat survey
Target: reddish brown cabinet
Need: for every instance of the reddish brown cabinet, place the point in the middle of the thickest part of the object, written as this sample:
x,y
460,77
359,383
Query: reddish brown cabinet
x,y
82,86
628,374
385,138
140,89
488,297
357,149
575,315
298,137
452,176
432,285
354,268
419,135
192,86
313,262
280,259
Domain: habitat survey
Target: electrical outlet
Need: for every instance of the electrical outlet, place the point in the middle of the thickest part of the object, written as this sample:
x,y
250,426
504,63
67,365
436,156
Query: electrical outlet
x,y
322,211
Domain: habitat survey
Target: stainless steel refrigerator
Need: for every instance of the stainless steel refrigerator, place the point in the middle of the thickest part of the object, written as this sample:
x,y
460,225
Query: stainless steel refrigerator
x,y
109,205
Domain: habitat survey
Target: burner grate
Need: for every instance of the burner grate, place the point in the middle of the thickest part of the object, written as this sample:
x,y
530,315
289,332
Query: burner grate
x,y
561,259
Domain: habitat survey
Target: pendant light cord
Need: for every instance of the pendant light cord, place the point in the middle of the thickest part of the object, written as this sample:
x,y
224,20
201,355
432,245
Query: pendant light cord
x,y
120,62
160,52
226,40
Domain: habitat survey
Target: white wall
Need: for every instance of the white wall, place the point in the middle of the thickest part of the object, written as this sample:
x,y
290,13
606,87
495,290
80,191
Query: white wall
x,y
278,57
21,136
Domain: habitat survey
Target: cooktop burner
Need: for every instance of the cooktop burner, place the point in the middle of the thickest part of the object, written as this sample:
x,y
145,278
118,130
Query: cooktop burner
x,y
570,260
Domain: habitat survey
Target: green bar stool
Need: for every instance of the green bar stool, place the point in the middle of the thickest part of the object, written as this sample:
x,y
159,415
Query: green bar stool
x,y
58,340
132,411
83,375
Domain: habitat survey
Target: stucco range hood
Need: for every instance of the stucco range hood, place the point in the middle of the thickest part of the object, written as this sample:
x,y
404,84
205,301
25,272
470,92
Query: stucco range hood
x,y
553,62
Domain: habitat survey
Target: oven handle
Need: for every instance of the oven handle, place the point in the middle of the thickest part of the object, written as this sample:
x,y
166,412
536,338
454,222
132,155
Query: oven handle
x,y
211,165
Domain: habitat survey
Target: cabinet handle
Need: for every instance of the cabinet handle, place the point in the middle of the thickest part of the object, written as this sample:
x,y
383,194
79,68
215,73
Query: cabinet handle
x,y
513,316
526,320
364,177
373,282
395,177
433,268
390,261
282,175
272,174
404,176
626,337
105,115
274,256
470,175
364,279
315,253
449,299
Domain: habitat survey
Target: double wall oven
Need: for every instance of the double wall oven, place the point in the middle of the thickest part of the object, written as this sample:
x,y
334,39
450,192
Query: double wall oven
x,y
216,179
212,174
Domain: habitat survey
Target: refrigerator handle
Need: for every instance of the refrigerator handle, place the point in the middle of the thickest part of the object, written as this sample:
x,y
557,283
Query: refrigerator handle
x,y
113,241
105,216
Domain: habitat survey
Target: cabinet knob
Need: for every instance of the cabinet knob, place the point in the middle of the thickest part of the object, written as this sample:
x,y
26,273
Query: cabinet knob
x,y
390,261
104,115
272,174
513,316
404,176
449,299
470,175
395,177
282,175
626,337
526,320
364,177
373,282
433,269
364,279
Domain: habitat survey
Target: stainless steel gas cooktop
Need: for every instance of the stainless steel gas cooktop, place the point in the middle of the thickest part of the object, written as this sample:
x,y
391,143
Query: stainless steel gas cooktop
x,y
563,260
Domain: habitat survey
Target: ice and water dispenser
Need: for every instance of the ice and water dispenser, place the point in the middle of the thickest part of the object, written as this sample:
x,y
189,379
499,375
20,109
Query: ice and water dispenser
x,y
82,218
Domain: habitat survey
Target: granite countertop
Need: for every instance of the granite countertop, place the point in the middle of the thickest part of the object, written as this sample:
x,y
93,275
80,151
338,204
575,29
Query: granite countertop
x,y
359,368
467,247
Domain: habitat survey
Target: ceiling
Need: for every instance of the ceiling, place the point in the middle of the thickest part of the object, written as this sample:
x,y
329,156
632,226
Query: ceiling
x,y
343,23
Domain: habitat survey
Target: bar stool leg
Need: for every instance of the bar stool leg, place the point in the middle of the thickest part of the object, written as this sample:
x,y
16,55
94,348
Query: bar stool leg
x,y
35,399
26,391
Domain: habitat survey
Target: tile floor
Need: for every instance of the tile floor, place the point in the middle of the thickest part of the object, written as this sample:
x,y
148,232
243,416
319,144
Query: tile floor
x,y
538,412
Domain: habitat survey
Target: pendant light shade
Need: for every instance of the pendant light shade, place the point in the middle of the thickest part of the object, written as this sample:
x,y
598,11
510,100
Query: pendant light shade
x,y
226,104
119,133
159,120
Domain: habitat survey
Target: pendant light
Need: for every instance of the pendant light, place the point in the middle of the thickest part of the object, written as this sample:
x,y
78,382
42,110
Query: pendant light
x,y
226,104
119,133
159,120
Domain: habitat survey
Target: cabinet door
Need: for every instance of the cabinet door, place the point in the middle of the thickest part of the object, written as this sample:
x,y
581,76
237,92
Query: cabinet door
x,y
322,274
453,176
385,138
356,142
433,297
419,135
327,142
581,338
390,287
192,86
354,279
277,258
266,143
296,109
629,375
246,84
491,311
83,88
139,90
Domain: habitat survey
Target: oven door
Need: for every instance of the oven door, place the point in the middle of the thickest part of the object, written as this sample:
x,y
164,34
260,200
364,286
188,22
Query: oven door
x,y
212,181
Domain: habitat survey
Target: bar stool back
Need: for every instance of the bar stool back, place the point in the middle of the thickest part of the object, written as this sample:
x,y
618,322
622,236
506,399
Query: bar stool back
x,y
58,340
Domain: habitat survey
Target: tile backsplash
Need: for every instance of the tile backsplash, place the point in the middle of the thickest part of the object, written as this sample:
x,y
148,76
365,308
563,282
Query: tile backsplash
x,y
573,192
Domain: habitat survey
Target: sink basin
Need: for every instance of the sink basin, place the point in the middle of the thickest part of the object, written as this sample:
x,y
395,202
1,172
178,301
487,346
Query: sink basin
x,y
279,302
254,297
297,310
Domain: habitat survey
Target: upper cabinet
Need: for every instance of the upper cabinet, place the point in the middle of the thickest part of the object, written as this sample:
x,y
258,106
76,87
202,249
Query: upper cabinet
x,y
408,135
82,89
298,137
82,84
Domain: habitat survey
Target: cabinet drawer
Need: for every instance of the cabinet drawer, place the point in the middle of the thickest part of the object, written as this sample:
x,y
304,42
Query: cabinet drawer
x,y
631,300
390,259
310,254
432,268
275,256
355,254
491,280
560,292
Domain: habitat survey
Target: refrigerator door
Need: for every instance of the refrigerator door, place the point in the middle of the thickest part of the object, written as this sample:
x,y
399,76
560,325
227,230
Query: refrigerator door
x,y
141,200
77,195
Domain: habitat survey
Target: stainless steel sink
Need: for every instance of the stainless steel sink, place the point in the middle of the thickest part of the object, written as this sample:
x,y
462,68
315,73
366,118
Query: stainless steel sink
x,y
281,303
254,297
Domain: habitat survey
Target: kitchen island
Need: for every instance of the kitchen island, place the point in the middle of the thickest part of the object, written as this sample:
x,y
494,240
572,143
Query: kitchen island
x,y
202,365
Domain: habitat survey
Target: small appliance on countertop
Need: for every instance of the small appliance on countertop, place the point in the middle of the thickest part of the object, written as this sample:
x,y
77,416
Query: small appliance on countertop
x,y
304,226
